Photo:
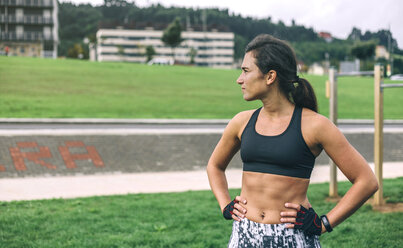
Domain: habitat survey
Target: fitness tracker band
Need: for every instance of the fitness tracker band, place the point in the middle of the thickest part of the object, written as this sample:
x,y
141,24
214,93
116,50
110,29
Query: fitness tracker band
x,y
326,223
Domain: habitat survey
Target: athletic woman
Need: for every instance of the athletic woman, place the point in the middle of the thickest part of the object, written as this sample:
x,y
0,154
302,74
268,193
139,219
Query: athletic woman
x,y
278,145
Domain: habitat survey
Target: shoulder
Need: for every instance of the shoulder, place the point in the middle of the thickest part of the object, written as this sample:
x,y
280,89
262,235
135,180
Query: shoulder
x,y
314,119
317,126
237,124
243,116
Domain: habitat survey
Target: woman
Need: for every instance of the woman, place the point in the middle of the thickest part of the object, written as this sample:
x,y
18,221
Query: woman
x,y
279,143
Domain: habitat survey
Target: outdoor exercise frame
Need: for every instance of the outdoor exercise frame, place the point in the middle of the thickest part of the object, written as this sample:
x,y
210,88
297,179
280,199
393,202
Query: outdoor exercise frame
x,y
331,92
378,133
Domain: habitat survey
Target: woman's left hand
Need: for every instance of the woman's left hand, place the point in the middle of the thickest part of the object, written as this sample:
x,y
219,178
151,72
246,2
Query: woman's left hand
x,y
290,217
305,219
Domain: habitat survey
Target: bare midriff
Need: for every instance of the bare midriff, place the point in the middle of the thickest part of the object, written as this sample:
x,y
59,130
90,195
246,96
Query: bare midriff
x,y
266,195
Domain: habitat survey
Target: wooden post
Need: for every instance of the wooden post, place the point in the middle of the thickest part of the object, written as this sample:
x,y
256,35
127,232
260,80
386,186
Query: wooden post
x,y
333,118
327,89
378,134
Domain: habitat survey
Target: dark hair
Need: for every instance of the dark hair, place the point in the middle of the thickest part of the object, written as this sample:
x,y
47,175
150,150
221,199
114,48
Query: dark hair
x,y
275,54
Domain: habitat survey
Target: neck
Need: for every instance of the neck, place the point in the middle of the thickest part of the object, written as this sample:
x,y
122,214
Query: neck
x,y
276,104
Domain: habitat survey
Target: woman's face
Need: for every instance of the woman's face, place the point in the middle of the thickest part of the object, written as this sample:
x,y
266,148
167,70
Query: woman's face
x,y
253,82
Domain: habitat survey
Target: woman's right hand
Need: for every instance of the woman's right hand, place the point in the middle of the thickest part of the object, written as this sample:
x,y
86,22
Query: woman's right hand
x,y
235,210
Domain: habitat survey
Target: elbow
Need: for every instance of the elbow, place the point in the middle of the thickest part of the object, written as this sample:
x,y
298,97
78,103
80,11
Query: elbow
x,y
373,185
211,168
369,185
376,186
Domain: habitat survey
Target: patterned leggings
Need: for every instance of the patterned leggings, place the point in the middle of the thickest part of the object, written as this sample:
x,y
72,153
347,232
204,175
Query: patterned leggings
x,y
247,233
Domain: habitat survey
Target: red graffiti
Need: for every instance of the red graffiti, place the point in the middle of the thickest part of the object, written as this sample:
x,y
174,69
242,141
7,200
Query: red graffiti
x,y
19,157
69,158
38,154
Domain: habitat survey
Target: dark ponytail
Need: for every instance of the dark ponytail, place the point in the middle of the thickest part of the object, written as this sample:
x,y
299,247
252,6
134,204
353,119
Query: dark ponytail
x,y
275,54
303,95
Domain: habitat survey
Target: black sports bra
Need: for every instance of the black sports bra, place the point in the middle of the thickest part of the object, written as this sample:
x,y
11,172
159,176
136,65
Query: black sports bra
x,y
285,154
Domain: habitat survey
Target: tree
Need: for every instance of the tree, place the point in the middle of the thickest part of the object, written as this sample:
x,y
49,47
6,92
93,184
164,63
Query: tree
x,y
121,52
355,34
76,23
150,52
363,50
240,43
192,53
172,35
76,51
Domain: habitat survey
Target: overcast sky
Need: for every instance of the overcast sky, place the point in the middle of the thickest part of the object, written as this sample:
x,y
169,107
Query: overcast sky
x,y
335,16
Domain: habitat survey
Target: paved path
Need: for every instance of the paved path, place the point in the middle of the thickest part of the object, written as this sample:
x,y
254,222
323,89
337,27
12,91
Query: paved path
x,y
39,183
114,184
18,127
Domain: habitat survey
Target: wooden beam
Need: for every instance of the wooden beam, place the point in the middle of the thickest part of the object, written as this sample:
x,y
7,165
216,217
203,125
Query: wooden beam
x,y
378,134
333,118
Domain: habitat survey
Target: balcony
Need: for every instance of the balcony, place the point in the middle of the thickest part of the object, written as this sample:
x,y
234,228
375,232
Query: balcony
x,y
27,19
27,3
26,36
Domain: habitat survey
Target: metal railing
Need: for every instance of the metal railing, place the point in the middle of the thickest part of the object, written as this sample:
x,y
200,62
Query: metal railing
x,y
391,85
26,36
27,19
356,73
27,3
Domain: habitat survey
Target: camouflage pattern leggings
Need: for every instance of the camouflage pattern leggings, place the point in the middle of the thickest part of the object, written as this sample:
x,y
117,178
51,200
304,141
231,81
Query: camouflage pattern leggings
x,y
247,233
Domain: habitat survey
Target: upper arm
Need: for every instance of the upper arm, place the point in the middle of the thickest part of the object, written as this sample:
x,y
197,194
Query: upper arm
x,y
230,141
344,155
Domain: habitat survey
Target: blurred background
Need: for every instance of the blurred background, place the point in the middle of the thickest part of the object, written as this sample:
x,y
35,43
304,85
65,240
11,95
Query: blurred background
x,y
120,97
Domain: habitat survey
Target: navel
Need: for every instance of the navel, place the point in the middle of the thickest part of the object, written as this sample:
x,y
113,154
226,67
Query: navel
x,y
262,215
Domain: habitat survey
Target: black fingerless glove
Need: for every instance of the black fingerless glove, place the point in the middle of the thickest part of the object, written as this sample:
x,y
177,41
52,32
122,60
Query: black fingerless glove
x,y
308,221
229,210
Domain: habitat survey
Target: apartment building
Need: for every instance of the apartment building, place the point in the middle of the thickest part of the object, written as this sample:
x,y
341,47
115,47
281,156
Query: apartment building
x,y
29,28
213,49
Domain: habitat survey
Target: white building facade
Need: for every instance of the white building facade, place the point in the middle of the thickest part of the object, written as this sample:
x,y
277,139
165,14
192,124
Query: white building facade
x,y
29,27
213,49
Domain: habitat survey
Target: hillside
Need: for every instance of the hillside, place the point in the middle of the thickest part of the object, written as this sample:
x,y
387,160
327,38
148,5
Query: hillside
x,y
80,21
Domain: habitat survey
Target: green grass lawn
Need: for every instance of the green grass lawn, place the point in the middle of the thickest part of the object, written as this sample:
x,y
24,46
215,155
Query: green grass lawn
x,y
190,219
35,87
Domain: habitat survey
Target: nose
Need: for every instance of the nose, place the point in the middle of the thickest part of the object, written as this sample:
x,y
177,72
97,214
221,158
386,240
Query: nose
x,y
240,79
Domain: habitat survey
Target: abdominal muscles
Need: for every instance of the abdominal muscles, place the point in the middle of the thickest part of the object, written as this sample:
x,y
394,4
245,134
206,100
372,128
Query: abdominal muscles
x,y
266,195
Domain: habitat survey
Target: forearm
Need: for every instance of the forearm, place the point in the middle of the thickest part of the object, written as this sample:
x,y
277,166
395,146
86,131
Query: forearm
x,y
219,185
355,197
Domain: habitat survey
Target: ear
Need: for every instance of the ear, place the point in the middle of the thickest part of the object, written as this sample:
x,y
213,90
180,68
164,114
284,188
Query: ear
x,y
270,77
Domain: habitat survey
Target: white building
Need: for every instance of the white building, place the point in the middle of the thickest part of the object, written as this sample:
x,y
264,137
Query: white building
x,y
349,66
381,52
316,69
29,27
214,49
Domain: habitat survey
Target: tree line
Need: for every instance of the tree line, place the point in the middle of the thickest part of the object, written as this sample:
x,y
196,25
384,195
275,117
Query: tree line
x,y
77,22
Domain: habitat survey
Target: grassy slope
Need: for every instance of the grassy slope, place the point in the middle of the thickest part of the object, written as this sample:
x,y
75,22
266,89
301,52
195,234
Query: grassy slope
x,y
33,87
190,219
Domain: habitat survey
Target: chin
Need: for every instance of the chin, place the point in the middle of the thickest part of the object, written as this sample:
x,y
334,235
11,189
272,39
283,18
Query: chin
x,y
248,97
